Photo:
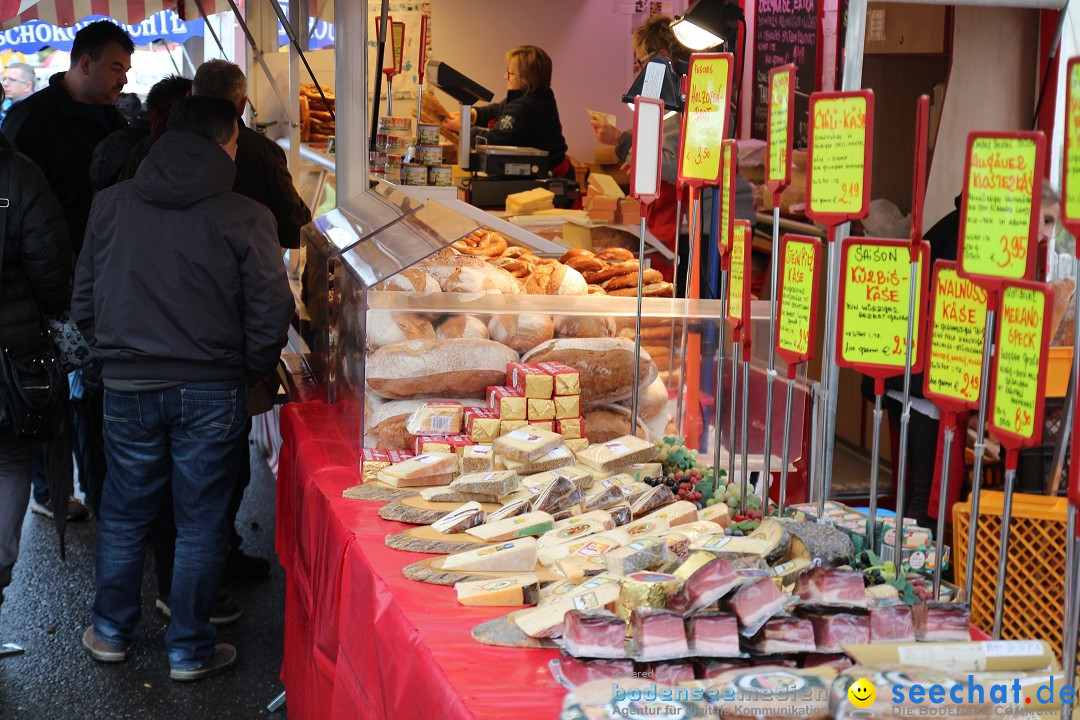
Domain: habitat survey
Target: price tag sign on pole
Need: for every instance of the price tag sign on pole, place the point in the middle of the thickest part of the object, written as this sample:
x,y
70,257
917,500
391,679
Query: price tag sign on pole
x,y
957,327
390,68
706,118
839,157
738,313
781,119
727,199
1018,391
397,31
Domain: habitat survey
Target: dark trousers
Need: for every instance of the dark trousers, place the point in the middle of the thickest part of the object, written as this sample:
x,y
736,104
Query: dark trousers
x,y
921,454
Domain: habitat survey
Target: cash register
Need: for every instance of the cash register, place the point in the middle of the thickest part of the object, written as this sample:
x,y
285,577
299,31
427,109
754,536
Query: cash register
x,y
497,170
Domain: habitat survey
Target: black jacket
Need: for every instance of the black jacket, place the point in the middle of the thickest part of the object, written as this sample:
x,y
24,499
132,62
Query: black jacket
x,y
37,259
262,174
59,136
181,278
112,153
525,120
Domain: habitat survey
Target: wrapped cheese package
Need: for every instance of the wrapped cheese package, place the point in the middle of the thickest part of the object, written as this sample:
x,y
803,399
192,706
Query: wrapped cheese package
x,y
372,461
496,482
527,444
429,469
477,458
567,379
481,425
617,453
540,409
531,380
436,418
508,402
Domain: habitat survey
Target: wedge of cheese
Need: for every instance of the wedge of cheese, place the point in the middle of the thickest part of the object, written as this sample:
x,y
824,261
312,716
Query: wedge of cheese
x,y
496,482
724,545
526,444
420,470
533,523
448,494
677,513
645,554
547,620
510,591
718,513
530,201
578,568
617,453
564,588
468,515
558,457
602,515
578,475
517,555
419,481
509,510
646,527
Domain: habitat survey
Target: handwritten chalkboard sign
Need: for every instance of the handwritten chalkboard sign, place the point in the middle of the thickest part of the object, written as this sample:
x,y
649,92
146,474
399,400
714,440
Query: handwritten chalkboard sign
x,y
781,111
838,158
1070,183
1018,379
875,281
706,118
738,309
999,213
785,31
727,198
955,343
797,300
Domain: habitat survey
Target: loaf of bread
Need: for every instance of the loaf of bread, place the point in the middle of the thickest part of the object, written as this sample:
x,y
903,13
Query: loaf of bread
x,y
584,326
556,279
385,327
651,400
522,332
606,365
455,368
410,280
463,273
607,422
462,326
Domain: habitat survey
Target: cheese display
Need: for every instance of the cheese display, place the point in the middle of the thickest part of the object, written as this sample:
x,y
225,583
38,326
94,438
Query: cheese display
x,y
496,482
547,620
531,523
468,515
517,555
515,590
530,201
526,444
618,453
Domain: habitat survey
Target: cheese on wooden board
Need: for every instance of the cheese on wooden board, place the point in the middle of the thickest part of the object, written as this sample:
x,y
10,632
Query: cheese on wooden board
x,y
646,527
509,510
580,476
558,457
496,482
644,554
677,513
563,588
530,201
579,567
417,470
477,458
546,620
620,452
448,494
601,515
518,555
527,444
571,538
533,523
468,515
509,591
725,545
419,481
718,513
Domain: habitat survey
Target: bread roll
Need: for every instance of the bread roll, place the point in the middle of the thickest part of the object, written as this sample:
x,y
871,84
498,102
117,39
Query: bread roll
x,y
584,326
606,365
521,332
607,422
410,280
462,326
385,327
457,368
556,279
652,400
461,273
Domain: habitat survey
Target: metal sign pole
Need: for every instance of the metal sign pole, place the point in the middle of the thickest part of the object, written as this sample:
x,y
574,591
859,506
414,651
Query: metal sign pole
x,y
900,481
671,350
637,336
1003,551
693,208
771,377
745,430
875,468
980,447
943,501
786,452
718,429
736,346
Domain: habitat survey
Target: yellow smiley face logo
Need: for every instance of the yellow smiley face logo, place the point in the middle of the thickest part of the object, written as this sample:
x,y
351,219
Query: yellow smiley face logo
x,y
861,693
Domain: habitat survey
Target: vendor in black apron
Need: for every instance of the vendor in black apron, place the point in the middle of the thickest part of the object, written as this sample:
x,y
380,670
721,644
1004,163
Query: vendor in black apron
x,y
528,117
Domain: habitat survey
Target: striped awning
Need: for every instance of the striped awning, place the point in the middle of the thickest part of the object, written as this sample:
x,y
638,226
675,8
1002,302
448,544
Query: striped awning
x,y
66,13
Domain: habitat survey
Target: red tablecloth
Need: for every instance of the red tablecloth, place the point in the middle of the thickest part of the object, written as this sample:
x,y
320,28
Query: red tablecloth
x,y
361,641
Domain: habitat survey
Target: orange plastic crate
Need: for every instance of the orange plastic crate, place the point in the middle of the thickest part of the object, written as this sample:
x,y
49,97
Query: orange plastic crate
x,y
1035,585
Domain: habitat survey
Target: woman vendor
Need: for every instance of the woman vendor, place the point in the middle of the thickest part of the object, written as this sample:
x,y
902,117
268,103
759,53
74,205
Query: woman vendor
x,y
528,117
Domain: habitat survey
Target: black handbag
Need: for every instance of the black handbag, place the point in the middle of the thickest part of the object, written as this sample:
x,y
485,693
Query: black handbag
x,y
33,388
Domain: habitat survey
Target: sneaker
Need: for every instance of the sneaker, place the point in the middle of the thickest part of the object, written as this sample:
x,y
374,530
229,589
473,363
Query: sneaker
x,y
224,658
76,511
101,650
244,567
224,612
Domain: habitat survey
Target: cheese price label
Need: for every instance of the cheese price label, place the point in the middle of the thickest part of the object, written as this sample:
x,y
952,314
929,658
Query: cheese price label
x,y
738,280
397,34
956,338
797,299
1019,361
1071,175
706,118
727,197
997,227
874,310
779,125
838,148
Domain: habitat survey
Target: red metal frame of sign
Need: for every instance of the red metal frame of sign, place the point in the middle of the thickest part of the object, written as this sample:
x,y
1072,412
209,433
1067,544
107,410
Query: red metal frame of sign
x,y
880,372
813,256
947,403
737,324
397,31
1070,211
391,69
646,198
1009,439
918,191
1074,468
776,187
422,58
994,282
727,200
711,138
830,219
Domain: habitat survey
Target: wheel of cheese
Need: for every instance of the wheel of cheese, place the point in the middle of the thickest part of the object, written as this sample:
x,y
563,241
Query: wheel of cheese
x,y
607,422
462,326
385,327
456,368
606,365
521,332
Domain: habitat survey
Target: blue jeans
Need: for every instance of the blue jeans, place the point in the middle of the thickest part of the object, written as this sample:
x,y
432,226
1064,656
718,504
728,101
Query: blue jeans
x,y
186,435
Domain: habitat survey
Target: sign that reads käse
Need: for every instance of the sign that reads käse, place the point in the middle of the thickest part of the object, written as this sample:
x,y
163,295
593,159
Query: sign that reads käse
x,y
838,176
797,298
955,344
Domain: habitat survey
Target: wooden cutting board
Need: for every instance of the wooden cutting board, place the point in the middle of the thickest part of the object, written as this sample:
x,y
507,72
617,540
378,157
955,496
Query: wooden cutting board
x,y
378,492
415,510
431,571
503,632
426,539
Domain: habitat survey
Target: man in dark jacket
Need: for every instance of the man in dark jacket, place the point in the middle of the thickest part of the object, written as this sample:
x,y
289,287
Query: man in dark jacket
x,y
35,277
183,324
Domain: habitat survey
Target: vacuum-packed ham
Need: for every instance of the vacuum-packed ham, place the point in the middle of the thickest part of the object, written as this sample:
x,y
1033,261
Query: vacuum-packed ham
x,y
708,584
714,634
578,671
660,634
891,623
833,630
828,586
784,635
594,633
757,601
937,621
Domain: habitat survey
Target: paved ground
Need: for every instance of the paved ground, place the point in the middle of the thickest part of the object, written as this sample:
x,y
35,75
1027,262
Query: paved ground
x,y
48,606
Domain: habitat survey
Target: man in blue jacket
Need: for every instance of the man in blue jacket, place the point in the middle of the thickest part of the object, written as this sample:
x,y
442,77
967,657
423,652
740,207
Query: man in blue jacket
x,y
183,323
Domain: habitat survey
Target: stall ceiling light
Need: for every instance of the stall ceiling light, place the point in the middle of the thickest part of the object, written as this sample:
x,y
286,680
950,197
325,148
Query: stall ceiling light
x,y
707,24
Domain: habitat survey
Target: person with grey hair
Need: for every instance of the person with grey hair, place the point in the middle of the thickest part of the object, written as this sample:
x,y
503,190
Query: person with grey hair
x,y
19,82
184,323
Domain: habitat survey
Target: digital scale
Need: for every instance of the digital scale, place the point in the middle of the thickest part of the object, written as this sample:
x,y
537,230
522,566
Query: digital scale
x,y
507,161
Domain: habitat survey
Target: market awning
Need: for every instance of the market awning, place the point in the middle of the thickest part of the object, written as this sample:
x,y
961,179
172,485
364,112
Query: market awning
x,y
33,35
66,13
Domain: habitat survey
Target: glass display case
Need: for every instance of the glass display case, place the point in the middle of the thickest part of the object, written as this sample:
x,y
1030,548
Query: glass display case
x,y
381,349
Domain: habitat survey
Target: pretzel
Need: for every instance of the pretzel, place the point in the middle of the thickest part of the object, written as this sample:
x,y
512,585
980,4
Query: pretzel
x,y
515,251
613,270
573,253
597,290
481,243
585,263
515,266
615,254
648,276
660,289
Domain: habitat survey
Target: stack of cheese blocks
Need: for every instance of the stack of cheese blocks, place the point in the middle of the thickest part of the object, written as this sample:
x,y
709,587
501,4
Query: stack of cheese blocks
x,y
606,202
530,201
546,396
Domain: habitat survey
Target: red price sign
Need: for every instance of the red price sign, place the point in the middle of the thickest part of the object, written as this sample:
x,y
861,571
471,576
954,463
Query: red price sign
x,y
999,213
796,299
839,156
872,320
738,309
781,119
956,338
389,66
1070,183
1018,378
727,199
706,118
